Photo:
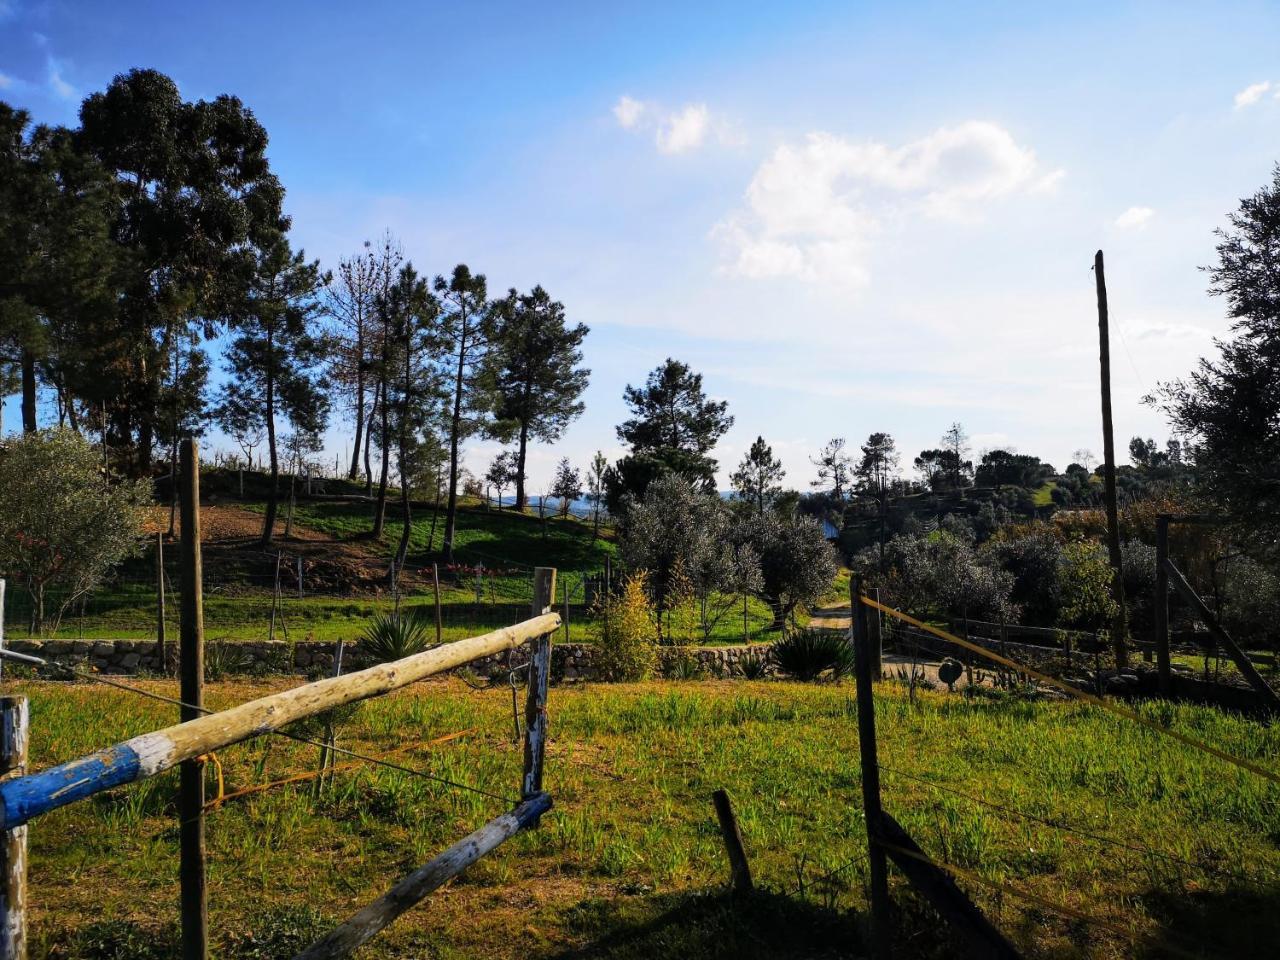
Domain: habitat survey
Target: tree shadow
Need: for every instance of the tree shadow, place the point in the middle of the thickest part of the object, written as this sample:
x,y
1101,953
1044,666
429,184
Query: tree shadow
x,y
743,927
1240,920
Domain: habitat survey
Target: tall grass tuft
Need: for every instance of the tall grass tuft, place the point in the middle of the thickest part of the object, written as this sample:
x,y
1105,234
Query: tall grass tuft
x,y
394,636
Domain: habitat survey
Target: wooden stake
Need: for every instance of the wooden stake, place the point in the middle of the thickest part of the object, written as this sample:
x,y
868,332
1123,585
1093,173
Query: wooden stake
x,y
875,641
162,653
13,845
1164,669
195,906
564,592
879,867
2,586
739,868
435,582
1118,624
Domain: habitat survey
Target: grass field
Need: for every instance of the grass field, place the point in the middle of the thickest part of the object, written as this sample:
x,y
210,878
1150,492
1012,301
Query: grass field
x,y
629,863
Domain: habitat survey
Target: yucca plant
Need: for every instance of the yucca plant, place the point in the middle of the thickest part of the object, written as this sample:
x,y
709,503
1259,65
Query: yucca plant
x,y
808,654
394,636
754,665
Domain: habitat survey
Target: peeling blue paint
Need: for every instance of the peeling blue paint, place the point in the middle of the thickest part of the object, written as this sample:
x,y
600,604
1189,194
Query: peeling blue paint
x,y
26,797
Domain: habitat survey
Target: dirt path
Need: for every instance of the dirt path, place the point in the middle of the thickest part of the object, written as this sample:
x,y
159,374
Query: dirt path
x,y
896,666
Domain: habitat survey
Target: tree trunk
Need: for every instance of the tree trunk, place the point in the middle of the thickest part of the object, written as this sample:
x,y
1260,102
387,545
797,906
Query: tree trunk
x,y
380,508
28,391
455,426
355,449
435,512
273,493
37,619
368,440
520,463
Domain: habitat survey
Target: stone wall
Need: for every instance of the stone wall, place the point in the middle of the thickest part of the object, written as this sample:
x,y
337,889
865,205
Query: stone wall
x,y
571,661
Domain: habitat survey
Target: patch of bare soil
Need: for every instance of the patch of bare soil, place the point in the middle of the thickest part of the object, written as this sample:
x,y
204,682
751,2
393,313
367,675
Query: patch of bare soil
x,y
233,552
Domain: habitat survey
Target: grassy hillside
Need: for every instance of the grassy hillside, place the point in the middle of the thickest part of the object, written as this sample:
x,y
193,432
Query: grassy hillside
x,y
629,863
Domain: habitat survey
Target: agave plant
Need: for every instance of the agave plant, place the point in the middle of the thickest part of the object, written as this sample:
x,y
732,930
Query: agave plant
x,y
754,666
394,636
807,654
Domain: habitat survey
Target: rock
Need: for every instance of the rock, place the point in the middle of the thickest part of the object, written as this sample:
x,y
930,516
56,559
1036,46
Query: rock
x,y
130,661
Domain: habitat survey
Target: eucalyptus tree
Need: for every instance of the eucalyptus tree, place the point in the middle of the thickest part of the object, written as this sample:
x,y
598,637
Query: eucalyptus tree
x,y
274,356
535,373
466,337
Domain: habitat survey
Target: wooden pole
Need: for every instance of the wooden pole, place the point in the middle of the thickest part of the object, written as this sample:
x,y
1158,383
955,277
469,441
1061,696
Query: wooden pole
x,y
2,586
299,576
564,592
535,709
876,642
1164,669
1118,625
194,897
879,867
739,868
435,581
937,886
13,846
162,652
366,923
152,753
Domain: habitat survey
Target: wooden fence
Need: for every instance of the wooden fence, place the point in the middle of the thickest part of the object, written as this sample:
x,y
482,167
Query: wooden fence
x,y
24,797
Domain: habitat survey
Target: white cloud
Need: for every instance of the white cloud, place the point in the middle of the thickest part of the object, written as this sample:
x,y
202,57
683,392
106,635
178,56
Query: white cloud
x,y
1134,218
6,81
1252,94
676,131
59,86
812,207
684,130
628,112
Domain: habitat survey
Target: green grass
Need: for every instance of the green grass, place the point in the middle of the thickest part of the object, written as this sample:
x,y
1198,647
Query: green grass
x,y
629,863
1043,496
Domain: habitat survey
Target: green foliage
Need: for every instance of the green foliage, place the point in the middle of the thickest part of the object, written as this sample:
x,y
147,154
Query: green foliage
x,y
943,572
626,649
62,524
754,665
121,940
279,933
797,564
808,654
758,479
1086,586
223,659
394,636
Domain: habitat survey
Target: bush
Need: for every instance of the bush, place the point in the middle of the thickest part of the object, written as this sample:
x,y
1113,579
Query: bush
x,y
626,650
395,636
807,654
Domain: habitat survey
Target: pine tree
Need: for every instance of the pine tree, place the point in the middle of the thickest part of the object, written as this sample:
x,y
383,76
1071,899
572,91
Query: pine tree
x,y
834,468
758,478
534,373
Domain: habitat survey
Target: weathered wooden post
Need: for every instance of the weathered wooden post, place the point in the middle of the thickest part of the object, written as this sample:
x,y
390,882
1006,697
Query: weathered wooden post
x,y
1118,623
739,868
876,641
13,846
435,581
162,652
878,864
194,899
2,584
1164,672
535,711
299,576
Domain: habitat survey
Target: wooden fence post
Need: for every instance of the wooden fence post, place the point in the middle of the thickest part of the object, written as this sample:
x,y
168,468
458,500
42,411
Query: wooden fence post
x,y
1164,671
2,586
162,652
1118,623
875,640
879,867
13,846
535,711
194,898
739,868
435,580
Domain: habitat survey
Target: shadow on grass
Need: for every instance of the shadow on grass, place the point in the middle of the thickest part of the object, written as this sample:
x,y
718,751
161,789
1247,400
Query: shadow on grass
x,y
758,925
1240,921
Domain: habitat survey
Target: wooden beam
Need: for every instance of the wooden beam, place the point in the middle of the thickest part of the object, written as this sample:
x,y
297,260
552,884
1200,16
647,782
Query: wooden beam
x,y
410,891
1238,656
13,845
739,868
151,753
935,884
881,939
194,896
1118,624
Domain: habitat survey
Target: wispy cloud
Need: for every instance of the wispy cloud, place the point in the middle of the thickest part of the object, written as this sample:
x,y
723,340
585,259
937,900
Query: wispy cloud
x,y
57,84
682,130
1251,94
812,208
6,81
1134,218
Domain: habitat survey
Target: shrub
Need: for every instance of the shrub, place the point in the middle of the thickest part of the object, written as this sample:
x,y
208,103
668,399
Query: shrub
x,y
754,666
807,654
395,636
683,665
223,659
626,649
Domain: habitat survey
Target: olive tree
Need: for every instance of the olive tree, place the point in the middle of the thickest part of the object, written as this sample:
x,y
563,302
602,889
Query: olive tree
x,y
63,525
797,564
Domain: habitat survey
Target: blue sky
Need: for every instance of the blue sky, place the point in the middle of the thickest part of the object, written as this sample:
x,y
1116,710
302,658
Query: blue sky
x,y
848,217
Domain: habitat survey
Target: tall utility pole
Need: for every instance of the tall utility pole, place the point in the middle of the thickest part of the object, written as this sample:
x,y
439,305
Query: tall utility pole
x,y
1118,626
